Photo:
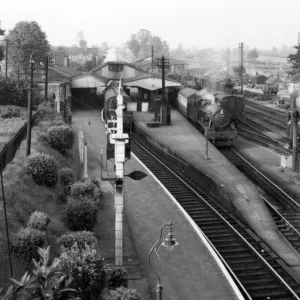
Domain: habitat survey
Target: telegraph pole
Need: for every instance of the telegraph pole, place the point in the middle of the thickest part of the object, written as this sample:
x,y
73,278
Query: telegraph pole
x,y
228,57
242,67
6,58
30,96
152,60
46,78
294,119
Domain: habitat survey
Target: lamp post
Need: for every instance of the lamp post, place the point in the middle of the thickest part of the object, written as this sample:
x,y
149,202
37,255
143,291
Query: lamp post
x,y
30,96
169,242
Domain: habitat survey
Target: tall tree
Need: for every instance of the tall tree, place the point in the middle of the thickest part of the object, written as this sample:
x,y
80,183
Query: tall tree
x,y
294,59
81,40
134,45
157,45
144,37
2,32
26,39
252,54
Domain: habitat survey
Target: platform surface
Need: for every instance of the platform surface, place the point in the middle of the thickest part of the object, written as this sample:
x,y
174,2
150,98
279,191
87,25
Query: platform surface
x,y
190,270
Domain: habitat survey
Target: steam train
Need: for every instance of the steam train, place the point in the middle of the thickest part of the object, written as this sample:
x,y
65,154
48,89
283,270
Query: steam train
x,y
110,117
216,114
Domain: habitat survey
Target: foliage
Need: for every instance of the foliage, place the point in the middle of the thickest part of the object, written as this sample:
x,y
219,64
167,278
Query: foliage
x,y
61,137
294,59
82,214
124,294
26,39
117,278
140,44
46,110
252,54
66,176
86,269
44,284
42,168
80,190
11,92
10,126
26,242
82,238
238,71
38,220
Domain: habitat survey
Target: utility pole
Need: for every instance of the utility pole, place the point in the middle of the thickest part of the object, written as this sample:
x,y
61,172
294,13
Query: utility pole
x,y
294,118
298,38
30,96
46,78
6,58
242,67
152,60
119,139
228,58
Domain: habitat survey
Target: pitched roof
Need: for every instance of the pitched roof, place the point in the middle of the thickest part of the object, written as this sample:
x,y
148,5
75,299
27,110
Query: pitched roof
x,y
83,51
117,63
65,71
272,80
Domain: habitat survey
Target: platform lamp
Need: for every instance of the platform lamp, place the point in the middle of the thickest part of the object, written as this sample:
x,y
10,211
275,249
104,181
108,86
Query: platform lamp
x,y
169,242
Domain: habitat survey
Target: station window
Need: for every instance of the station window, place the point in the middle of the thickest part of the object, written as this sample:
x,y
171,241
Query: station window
x,y
115,68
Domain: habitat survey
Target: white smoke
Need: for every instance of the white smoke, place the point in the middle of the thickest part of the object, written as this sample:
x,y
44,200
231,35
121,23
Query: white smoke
x,y
118,54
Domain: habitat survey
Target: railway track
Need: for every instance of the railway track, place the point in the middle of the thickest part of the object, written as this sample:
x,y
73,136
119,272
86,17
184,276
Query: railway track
x,y
259,272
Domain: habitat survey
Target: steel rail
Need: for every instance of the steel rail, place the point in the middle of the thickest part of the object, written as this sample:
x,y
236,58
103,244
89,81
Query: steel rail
x,y
226,222
266,178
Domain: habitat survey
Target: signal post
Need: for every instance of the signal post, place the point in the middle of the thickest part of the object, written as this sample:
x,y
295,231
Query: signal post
x,y
119,139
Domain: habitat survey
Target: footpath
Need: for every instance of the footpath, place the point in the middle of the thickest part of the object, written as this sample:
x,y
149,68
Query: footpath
x,y
189,271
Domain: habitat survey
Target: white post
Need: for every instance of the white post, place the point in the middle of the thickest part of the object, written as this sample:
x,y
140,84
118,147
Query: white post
x,y
85,172
58,104
119,139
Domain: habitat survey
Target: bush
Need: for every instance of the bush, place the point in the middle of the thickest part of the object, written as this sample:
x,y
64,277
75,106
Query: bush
x,y
26,243
82,238
86,269
66,176
42,168
117,278
61,137
82,215
124,294
43,139
95,181
38,220
79,190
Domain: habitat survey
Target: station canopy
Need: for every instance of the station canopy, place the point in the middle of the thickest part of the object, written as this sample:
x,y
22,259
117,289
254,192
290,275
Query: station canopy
x,y
149,82
88,81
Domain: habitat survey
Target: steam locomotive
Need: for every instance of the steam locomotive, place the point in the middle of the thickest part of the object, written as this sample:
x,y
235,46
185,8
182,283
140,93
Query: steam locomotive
x,y
216,114
110,117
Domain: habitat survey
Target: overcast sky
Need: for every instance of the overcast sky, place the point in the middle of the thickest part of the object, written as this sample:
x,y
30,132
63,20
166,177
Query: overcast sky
x,y
199,23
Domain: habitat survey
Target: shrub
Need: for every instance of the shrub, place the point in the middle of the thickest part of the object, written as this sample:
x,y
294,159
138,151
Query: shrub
x,y
61,137
86,269
95,181
38,220
82,238
66,176
26,243
79,190
124,294
82,215
117,278
42,168
43,139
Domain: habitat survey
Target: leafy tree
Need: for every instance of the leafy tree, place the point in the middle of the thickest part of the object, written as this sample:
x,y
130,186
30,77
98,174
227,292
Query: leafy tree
x,y
134,45
157,46
81,40
166,47
2,32
26,39
252,54
294,59
145,38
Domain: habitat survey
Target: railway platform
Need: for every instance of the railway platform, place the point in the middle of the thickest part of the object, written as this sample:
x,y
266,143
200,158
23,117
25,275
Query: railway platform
x,y
191,270
269,162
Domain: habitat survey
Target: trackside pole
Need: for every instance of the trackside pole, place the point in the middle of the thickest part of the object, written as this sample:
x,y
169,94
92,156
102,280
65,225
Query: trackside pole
x,y
119,139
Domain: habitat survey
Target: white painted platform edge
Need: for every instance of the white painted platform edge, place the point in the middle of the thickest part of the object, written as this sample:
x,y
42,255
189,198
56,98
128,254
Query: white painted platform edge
x,y
199,233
